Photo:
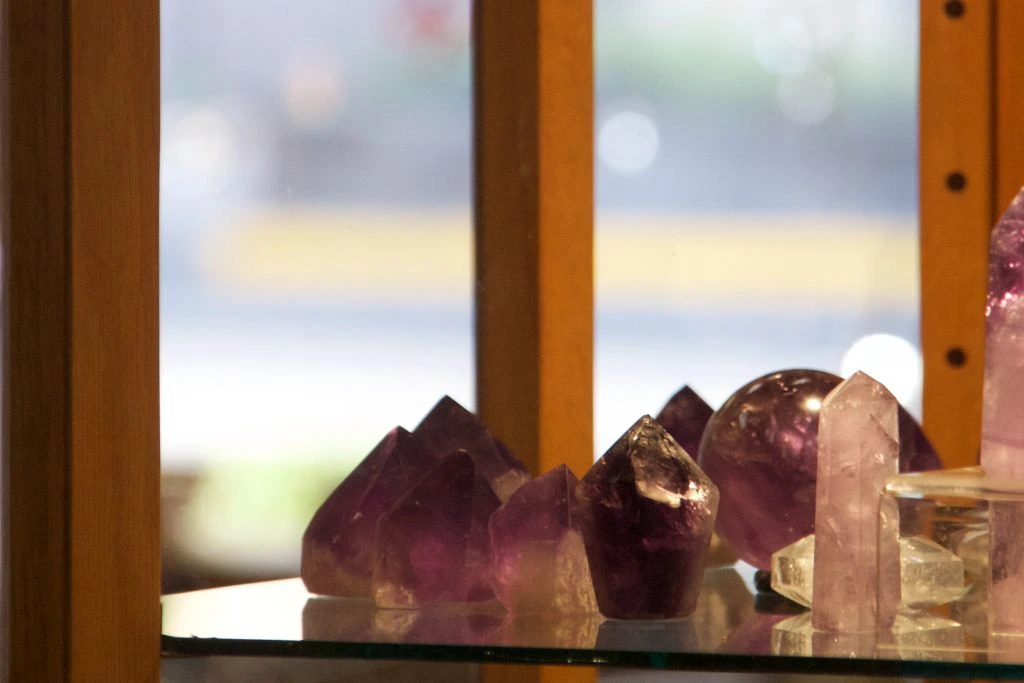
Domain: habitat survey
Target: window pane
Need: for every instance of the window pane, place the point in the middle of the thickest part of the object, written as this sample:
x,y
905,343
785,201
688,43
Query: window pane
x,y
316,257
756,183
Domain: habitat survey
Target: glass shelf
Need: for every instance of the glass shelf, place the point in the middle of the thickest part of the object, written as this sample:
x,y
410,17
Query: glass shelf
x,y
732,630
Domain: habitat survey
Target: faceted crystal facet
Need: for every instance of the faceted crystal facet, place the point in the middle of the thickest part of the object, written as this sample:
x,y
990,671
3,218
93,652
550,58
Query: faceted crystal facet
x,y
540,565
449,427
684,417
647,511
432,545
929,574
761,449
856,555
793,571
337,547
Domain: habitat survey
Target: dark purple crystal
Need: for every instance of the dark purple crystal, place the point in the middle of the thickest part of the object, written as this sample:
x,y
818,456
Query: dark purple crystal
x,y
449,427
647,513
433,545
540,566
337,547
684,417
761,449
916,451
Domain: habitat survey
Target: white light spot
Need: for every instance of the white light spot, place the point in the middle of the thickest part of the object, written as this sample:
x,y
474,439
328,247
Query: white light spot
x,y
809,98
892,360
812,405
628,142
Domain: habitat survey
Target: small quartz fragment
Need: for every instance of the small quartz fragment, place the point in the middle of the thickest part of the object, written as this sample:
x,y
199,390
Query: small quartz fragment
x,y
338,545
684,417
793,571
449,427
540,565
647,511
856,555
929,574
432,545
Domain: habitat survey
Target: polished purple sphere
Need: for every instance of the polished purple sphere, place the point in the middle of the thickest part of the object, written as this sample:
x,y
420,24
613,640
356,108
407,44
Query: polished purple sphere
x,y
761,450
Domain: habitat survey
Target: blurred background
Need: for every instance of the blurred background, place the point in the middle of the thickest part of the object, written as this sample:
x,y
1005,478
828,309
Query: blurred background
x,y
756,166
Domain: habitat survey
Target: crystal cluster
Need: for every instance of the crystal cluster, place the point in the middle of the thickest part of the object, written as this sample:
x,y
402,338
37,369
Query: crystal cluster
x,y
1002,437
432,545
856,555
761,449
540,565
929,574
647,513
353,545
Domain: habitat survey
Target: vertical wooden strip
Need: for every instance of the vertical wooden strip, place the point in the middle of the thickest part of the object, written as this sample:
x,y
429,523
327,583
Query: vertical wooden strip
x,y
34,203
956,200
1009,101
533,90
534,227
81,439
114,252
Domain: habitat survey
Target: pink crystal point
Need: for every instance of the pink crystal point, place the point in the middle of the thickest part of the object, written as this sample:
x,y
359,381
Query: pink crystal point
x,y
684,417
1002,432
1002,438
337,547
647,512
856,556
540,565
432,545
448,427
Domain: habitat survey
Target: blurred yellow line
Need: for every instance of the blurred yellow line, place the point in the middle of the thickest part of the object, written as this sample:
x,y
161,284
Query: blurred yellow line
x,y
644,260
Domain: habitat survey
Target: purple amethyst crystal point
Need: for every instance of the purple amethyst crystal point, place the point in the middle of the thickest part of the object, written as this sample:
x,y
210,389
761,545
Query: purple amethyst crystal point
x,y
761,450
432,545
540,565
684,417
449,427
337,547
647,512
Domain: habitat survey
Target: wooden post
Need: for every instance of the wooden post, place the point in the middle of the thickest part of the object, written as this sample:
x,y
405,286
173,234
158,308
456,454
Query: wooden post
x,y
80,487
1009,89
957,190
533,90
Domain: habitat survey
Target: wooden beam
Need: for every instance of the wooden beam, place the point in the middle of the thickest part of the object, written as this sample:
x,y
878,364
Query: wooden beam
x,y
533,92
80,487
956,211
1009,90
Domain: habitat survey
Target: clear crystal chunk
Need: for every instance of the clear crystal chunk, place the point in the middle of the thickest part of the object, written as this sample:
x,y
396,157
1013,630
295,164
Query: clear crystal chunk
x,y
929,574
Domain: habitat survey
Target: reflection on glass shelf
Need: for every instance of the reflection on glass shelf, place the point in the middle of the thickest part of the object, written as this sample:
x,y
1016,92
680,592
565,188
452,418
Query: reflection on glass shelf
x,y
732,629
